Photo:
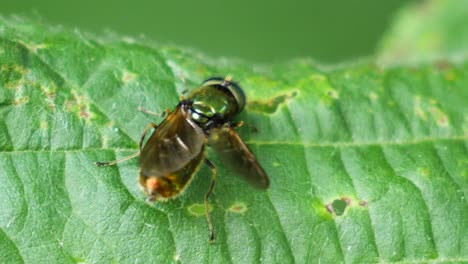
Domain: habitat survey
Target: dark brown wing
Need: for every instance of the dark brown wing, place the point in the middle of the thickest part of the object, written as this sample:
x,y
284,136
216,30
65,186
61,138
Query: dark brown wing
x,y
237,155
175,143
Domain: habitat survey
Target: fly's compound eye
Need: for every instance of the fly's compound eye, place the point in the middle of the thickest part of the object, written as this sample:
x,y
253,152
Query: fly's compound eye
x,y
233,87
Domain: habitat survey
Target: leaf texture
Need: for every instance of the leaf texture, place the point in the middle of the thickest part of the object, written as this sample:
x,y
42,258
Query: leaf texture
x,y
390,142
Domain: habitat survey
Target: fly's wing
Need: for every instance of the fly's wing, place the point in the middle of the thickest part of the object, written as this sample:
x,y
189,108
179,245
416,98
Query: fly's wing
x,y
177,141
237,155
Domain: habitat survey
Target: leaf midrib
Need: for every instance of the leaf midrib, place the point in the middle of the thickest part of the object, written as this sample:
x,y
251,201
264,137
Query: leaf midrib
x,y
287,143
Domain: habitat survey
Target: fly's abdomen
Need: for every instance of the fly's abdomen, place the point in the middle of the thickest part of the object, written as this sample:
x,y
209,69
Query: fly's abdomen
x,y
169,185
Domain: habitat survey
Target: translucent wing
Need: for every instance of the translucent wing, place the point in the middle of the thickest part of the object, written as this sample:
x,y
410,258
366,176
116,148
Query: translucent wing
x,y
176,142
237,155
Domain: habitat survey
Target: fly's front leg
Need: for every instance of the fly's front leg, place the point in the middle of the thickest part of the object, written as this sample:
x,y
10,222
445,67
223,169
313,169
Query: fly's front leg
x,y
241,123
146,111
185,91
237,124
207,195
110,163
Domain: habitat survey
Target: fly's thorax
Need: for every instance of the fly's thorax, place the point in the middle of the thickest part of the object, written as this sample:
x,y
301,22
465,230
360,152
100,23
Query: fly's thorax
x,y
217,100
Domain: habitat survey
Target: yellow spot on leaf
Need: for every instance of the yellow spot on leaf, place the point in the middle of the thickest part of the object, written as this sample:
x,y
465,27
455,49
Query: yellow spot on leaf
x,y
198,209
333,94
449,76
463,165
429,106
271,105
33,47
21,100
425,172
44,125
440,117
49,92
128,76
104,143
420,113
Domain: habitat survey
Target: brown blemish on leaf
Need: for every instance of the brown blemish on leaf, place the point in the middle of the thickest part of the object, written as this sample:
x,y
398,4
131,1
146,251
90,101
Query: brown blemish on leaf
x,y
346,200
429,106
84,114
271,105
20,100
363,203
443,65
238,207
50,93
12,75
128,76
78,105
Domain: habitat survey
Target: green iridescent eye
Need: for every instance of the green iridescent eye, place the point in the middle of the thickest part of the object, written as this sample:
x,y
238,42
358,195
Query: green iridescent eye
x,y
231,86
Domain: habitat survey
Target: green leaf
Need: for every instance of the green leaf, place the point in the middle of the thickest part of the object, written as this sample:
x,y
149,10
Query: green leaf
x,y
367,164
428,30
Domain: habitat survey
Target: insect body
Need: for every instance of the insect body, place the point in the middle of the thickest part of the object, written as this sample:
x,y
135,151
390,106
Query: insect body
x,y
176,148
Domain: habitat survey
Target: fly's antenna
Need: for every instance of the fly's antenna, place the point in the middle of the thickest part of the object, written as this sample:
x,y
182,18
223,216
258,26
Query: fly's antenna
x,y
181,77
227,80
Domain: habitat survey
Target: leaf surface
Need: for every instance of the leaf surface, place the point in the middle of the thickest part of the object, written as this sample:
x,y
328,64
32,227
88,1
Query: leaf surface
x,y
391,143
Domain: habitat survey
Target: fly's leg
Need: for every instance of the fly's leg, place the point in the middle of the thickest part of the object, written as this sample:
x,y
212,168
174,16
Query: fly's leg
x,y
185,91
146,111
237,124
143,135
207,195
241,123
110,163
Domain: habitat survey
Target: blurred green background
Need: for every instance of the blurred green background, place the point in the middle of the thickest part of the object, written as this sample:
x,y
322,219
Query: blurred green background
x,y
263,31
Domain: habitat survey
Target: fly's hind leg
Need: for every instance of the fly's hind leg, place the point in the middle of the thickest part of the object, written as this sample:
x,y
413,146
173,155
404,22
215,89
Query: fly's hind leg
x,y
110,163
207,195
